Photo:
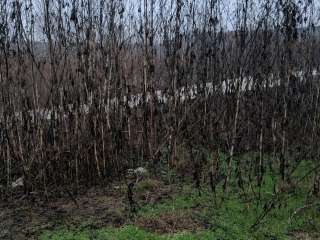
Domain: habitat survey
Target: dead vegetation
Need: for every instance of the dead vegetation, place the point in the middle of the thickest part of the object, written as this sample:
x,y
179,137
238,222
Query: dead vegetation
x,y
92,89
169,223
96,208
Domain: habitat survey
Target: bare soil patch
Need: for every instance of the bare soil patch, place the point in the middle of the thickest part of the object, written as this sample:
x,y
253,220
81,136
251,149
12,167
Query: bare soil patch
x,y
305,236
152,192
169,223
96,208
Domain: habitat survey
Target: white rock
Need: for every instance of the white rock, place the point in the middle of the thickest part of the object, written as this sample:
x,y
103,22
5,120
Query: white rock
x,y
18,183
140,171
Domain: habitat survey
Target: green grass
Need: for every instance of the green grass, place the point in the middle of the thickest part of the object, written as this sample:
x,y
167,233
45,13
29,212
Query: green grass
x,y
127,232
225,220
233,218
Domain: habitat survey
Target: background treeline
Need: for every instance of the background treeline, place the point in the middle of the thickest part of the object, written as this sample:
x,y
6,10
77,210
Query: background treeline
x,y
232,82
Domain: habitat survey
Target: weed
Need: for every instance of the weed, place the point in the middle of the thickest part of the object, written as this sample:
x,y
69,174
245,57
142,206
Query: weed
x,y
228,220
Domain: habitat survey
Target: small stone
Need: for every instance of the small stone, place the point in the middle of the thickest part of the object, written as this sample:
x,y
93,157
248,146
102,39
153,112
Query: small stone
x,y
18,183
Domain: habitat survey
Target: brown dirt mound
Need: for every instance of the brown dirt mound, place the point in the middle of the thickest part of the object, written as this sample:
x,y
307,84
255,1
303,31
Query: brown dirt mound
x,y
170,223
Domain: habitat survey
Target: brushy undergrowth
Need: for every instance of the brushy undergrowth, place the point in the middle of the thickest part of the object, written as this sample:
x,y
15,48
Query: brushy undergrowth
x,y
230,219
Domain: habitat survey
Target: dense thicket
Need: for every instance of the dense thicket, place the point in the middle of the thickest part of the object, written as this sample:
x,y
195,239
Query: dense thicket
x,y
91,88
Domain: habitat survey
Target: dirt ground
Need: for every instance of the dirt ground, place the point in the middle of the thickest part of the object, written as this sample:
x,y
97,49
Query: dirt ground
x,y
96,208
